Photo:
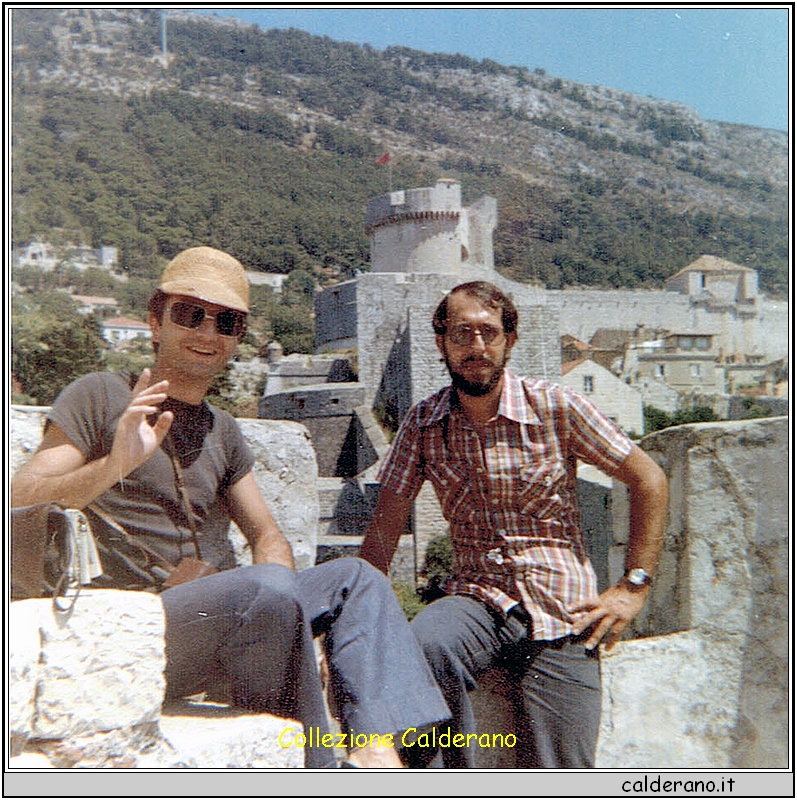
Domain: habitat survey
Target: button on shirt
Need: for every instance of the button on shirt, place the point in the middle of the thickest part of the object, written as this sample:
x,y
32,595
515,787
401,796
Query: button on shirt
x,y
509,494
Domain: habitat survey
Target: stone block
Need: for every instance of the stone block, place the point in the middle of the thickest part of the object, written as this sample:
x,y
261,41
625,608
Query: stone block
x,y
25,433
206,735
670,702
102,665
24,629
287,473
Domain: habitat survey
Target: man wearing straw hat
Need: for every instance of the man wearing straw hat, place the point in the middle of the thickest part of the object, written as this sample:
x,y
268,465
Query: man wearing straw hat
x,y
151,455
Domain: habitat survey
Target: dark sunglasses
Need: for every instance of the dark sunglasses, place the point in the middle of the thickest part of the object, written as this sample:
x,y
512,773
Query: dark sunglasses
x,y
190,315
463,335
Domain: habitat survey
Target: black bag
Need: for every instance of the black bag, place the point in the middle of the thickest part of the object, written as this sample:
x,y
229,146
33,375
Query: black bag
x,y
39,550
128,563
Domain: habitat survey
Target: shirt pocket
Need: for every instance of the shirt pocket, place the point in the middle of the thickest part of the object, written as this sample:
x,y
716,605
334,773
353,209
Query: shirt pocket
x,y
541,490
452,482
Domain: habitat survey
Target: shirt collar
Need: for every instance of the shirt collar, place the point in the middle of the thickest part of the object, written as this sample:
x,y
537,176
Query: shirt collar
x,y
513,404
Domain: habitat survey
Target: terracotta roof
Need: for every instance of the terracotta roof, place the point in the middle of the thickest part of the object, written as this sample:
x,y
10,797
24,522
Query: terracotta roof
x,y
567,340
611,338
572,364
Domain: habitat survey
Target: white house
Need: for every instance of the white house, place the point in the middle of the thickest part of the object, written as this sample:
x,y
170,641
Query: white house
x,y
36,254
620,402
122,329
92,304
272,279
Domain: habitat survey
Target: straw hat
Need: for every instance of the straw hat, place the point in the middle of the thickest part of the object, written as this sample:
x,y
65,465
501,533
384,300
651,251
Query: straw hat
x,y
210,275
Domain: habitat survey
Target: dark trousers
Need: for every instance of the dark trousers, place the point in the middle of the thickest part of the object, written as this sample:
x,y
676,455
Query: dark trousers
x,y
252,629
556,684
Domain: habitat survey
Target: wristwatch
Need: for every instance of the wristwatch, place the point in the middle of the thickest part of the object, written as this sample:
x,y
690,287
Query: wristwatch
x,y
638,577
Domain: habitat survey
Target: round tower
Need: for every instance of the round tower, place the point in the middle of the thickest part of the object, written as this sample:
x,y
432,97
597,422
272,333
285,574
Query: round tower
x,y
426,230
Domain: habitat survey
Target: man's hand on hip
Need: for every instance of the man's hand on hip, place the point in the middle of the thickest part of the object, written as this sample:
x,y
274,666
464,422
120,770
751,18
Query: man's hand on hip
x,y
608,614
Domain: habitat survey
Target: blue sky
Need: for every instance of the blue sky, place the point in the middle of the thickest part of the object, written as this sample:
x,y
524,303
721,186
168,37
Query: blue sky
x,y
730,63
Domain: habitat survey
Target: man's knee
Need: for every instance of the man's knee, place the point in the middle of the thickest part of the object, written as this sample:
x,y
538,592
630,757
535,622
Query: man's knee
x,y
357,566
435,634
351,571
267,589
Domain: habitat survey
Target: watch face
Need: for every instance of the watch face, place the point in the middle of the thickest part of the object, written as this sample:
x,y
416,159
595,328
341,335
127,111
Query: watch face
x,y
638,576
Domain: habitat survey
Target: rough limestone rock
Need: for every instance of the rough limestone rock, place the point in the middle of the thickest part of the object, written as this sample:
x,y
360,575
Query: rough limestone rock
x,y
25,433
669,701
727,576
87,692
286,471
206,735
97,668
23,666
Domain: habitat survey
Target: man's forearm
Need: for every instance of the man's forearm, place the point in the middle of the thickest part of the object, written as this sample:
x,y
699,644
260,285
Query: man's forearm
x,y
378,547
648,509
646,537
76,489
273,550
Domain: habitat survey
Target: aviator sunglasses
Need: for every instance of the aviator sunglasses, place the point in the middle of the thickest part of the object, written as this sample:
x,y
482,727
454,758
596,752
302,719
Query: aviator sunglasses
x,y
190,315
463,335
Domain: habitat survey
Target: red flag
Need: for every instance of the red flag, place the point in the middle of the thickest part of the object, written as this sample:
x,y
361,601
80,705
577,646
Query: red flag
x,y
383,159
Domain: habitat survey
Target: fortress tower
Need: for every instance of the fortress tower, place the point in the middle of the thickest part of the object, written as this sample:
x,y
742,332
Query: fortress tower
x,y
427,231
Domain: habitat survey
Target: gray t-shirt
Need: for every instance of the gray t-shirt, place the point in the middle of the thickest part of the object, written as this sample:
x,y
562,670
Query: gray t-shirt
x,y
212,452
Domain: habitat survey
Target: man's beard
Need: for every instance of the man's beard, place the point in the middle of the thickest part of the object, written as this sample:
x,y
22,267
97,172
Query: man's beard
x,y
476,388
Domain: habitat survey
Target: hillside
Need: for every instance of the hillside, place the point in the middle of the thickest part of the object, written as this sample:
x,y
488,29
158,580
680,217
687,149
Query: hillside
x,y
265,143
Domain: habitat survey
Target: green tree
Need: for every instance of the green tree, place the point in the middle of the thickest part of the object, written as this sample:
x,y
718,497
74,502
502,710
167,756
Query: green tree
x,y
656,419
46,361
293,329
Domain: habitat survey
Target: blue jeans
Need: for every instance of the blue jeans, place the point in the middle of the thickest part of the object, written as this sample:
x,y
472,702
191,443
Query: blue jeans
x,y
557,693
252,628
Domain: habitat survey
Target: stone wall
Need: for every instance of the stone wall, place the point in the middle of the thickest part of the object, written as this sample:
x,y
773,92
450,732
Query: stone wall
x,y
327,410
581,312
761,328
708,685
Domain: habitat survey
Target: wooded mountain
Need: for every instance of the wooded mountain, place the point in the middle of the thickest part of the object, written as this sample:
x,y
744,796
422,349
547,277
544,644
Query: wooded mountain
x,y
265,143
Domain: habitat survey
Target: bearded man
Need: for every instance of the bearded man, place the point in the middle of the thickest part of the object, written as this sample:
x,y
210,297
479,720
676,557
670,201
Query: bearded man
x,y
501,452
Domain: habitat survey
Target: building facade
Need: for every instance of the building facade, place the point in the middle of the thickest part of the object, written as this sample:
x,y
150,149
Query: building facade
x,y
619,401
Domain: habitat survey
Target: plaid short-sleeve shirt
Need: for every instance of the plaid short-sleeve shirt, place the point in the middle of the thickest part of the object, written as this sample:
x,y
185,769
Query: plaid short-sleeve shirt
x,y
510,498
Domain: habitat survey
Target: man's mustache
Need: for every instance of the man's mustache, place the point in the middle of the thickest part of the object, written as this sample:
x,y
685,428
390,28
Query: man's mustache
x,y
479,361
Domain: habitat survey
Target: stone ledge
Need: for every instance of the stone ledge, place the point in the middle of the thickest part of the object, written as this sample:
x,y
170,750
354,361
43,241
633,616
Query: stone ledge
x,y
87,691
209,735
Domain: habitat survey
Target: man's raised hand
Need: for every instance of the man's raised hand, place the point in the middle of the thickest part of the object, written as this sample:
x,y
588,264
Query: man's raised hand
x,y
136,439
